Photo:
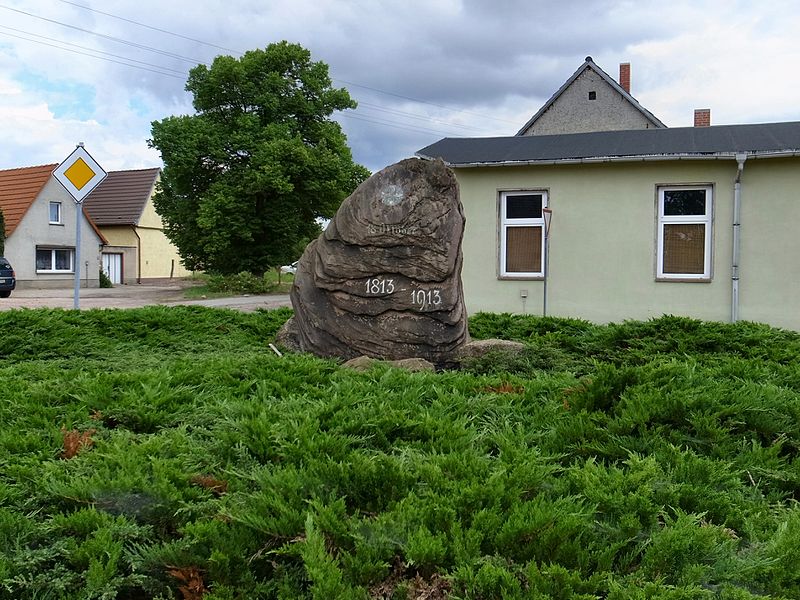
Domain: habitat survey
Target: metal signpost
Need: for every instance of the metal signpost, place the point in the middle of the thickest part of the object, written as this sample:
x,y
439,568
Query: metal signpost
x,y
79,173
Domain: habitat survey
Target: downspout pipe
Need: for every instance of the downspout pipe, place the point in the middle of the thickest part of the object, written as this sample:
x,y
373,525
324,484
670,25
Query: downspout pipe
x,y
736,255
138,255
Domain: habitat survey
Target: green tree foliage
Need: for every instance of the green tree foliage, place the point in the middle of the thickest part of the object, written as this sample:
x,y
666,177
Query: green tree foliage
x,y
246,177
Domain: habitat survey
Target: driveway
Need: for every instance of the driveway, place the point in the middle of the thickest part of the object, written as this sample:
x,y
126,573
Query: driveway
x,y
135,296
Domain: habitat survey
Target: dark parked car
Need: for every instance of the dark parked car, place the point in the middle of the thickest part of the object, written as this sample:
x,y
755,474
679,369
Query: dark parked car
x,y
8,280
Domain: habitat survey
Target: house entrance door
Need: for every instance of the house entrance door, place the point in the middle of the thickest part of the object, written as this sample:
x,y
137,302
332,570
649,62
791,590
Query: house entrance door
x,y
112,266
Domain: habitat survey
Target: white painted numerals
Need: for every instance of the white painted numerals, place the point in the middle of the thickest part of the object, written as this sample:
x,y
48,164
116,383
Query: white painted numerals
x,y
425,298
377,286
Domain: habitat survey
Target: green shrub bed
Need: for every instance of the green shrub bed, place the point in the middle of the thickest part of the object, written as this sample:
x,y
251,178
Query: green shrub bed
x,y
169,453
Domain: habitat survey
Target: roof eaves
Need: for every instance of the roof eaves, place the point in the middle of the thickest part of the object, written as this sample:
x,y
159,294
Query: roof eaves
x,y
94,226
43,171
555,96
628,158
629,98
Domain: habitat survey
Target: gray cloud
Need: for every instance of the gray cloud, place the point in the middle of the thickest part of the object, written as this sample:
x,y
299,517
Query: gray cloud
x,y
492,64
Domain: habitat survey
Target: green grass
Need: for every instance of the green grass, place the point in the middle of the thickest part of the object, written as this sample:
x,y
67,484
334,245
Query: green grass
x,y
650,459
221,286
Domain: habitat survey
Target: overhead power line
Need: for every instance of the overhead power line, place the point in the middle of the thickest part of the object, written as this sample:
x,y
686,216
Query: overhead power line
x,y
409,115
106,37
91,52
58,44
146,26
458,110
240,53
158,70
394,124
162,70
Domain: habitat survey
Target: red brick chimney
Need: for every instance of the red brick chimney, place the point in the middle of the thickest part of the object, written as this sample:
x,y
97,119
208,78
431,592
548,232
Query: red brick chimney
x,y
702,117
625,76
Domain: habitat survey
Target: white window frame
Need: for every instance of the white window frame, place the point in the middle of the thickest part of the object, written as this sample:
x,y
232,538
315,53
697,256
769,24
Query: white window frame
x,y
705,219
506,224
53,260
50,213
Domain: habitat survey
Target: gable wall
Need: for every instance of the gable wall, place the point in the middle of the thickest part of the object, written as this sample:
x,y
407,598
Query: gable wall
x,y
150,218
573,112
35,230
159,256
603,243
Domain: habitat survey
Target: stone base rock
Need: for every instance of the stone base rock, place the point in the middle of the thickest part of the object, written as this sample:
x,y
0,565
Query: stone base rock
x,y
480,348
365,363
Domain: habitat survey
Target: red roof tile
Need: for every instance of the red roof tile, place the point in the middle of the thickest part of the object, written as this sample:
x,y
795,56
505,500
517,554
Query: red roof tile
x,y
18,189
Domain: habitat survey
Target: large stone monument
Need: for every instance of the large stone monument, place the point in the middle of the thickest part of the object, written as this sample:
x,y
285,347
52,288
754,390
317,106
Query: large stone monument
x,y
384,279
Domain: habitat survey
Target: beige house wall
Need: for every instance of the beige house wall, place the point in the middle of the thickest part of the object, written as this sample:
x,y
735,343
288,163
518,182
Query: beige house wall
x,y
770,265
150,218
122,235
159,256
603,241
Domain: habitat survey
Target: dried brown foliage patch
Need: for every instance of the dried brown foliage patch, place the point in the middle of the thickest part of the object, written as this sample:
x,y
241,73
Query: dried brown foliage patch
x,y
75,441
417,587
217,486
193,588
505,388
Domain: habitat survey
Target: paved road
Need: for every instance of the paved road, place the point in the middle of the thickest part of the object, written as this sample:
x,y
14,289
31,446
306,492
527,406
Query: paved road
x,y
134,296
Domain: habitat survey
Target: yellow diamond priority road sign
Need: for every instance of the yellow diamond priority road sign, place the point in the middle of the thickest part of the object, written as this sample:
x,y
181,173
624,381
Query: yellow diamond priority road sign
x,y
79,174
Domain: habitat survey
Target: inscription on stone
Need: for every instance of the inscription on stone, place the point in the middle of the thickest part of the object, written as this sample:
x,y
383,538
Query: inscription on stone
x,y
384,280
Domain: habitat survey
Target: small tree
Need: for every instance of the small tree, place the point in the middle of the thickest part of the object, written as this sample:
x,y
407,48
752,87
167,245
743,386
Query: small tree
x,y
247,176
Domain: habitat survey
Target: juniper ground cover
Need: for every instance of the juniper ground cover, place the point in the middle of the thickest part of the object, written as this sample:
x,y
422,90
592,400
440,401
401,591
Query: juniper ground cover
x,y
169,453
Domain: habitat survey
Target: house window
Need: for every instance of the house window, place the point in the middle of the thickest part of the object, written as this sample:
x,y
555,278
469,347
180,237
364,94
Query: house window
x,y
55,213
592,95
684,232
54,260
522,234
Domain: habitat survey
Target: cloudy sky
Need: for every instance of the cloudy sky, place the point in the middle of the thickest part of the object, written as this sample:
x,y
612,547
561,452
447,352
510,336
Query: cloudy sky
x,y
101,72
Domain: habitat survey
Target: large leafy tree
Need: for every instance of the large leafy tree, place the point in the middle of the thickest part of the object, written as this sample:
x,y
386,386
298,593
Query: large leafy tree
x,y
246,178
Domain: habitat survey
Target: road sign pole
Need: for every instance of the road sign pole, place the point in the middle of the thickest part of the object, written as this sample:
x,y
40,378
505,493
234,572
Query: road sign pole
x,y
79,173
77,265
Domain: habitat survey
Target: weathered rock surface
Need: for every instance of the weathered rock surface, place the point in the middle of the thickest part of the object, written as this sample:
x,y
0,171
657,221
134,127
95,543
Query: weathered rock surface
x,y
365,363
384,279
479,348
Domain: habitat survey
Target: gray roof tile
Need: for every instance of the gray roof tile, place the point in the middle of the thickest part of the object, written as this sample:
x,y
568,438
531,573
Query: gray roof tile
x,y
121,197
694,142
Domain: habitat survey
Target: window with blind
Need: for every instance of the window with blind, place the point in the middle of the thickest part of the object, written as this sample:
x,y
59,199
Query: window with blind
x,y
522,234
684,232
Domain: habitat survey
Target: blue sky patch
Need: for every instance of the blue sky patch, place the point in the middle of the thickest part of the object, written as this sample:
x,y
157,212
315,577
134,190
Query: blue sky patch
x,y
138,107
67,100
